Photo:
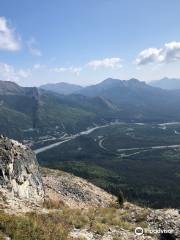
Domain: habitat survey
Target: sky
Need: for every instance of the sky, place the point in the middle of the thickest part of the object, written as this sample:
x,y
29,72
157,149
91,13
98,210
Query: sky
x,y
86,41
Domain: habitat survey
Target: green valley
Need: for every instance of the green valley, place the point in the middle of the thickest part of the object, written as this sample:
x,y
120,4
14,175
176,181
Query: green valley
x,y
140,159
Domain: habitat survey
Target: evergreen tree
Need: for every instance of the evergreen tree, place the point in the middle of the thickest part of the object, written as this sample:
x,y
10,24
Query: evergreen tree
x,y
120,199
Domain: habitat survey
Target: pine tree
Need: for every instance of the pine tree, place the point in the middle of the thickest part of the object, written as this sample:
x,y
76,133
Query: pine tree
x,y
120,199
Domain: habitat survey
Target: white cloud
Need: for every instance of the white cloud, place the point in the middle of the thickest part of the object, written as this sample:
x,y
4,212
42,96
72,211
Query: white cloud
x,y
9,73
9,40
33,49
23,73
106,63
59,69
113,63
75,70
38,66
169,53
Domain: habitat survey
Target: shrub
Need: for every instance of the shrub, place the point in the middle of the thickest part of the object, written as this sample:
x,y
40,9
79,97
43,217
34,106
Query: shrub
x,y
53,204
120,199
99,228
1,236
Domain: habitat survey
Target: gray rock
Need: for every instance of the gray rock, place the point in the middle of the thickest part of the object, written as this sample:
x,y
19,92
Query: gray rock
x,y
167,220
19,172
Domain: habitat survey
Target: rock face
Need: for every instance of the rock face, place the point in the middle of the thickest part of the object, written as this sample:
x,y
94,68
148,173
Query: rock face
x,y
19,173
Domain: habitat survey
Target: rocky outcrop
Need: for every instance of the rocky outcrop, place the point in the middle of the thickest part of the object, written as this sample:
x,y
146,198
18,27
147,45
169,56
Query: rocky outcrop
x,y
74,191
19,173
167,221
139,224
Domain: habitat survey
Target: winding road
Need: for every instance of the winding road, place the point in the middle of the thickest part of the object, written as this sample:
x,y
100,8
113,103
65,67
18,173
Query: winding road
x,y
120,151
67,139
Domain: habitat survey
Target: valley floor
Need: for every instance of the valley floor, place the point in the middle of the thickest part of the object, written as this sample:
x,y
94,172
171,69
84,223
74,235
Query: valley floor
x,y
126,156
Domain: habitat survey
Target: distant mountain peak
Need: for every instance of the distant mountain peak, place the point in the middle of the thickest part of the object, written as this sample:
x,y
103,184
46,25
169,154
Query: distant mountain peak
x,y
8,84
134,80
165,78
166,83
113,82
109,81
61,88
135,83
9,87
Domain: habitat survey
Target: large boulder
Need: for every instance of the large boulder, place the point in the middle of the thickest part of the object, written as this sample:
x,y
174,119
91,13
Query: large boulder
x,y
19,172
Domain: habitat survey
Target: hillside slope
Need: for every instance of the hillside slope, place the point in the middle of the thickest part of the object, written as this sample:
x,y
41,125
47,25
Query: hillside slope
x,y
74,191
71,208
22,182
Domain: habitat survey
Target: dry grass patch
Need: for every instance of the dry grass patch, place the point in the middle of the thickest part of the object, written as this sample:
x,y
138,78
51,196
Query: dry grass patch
x,y
53,204
57,225
34,227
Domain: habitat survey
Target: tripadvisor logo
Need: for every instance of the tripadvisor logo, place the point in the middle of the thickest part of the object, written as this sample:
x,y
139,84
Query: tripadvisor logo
x,y
140,231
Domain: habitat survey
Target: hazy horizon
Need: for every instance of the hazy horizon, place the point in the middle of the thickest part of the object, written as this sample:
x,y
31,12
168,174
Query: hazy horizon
x,y
24,83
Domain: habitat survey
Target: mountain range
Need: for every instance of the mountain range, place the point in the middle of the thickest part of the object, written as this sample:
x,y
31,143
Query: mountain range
x,y
35,111
30,108
61,88
166,83
68,88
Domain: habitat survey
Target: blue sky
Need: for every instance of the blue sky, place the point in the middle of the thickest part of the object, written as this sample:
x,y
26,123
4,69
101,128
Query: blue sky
x,y
86,41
